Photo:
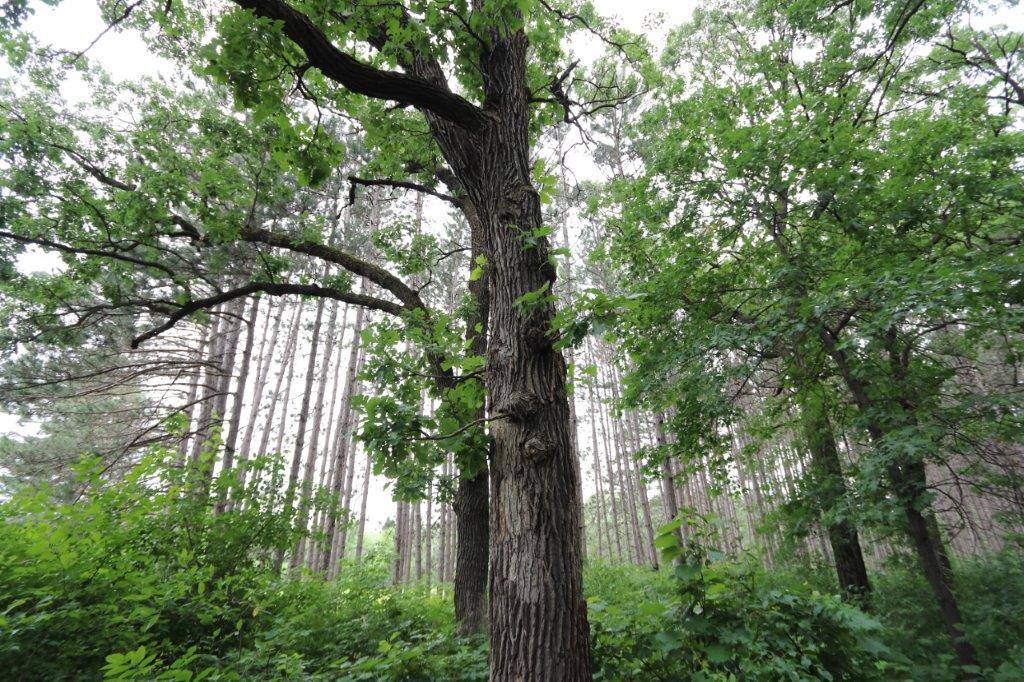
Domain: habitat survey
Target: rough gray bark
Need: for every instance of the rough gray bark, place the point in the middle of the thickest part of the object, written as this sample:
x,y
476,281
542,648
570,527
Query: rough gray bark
x,y
538,621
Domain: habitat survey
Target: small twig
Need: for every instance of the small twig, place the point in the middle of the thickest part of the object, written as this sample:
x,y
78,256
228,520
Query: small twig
x,y
467,427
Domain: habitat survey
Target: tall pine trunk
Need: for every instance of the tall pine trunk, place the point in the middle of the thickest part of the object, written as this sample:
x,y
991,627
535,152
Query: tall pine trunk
x,y
300,436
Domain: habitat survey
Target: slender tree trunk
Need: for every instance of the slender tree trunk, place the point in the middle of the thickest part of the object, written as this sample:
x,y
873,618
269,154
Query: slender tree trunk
x,y
617,521
931,552
234,322
350,470
267,353
472,496
430,533
343,435
909,485
191,431
329,468
830,489
300,436
309,470
362,509
626,481
668,487
210,382
443,532
285,370
602,522
239,397
399,564
631,425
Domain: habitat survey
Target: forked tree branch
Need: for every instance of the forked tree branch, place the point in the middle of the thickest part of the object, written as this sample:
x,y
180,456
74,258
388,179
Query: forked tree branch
x,y
400,184
273,289
361,78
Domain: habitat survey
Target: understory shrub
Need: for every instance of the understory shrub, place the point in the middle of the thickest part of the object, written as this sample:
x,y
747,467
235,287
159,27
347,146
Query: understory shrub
x,y
141,579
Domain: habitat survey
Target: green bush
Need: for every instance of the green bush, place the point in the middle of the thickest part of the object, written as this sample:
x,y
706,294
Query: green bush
x,y
709,619
140,579
991,597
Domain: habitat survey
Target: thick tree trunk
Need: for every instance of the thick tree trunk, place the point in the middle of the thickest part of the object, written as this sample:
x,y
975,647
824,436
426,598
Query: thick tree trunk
x,y
538,617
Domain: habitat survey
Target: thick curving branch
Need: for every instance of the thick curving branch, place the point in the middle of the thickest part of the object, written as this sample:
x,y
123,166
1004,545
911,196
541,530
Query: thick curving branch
x,y
361,78
357,266
273,289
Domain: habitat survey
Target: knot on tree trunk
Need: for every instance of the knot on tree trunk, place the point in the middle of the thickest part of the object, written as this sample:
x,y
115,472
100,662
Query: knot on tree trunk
x,y
537,449
537,337
521,405
518,201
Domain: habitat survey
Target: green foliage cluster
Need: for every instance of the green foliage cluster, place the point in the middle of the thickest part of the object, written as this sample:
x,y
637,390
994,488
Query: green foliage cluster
x,y
140,579
991,605
712,619
121,583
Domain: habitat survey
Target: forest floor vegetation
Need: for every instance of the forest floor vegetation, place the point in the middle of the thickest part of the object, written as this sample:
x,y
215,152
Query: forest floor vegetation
x,y
117,583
